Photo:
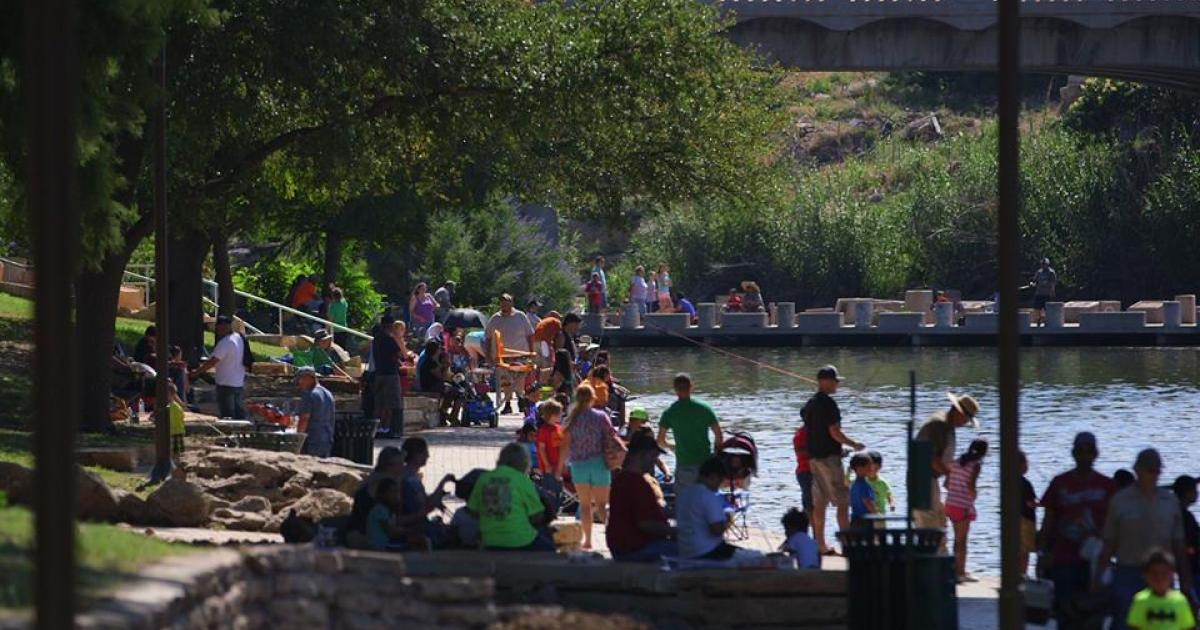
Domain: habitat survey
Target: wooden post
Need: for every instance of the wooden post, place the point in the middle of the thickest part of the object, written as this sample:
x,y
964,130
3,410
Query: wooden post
x,y
162,413
51,86
1012,609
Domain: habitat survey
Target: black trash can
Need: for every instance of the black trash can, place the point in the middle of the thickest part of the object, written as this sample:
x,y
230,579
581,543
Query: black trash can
x,y
898,580
354,438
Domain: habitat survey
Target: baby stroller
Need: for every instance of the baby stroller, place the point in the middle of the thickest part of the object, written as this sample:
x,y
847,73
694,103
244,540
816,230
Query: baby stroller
x,y
478,407
563,492
739,453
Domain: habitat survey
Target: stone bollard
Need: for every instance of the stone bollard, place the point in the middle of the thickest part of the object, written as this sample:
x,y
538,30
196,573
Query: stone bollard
x,y
785,315
1172,314
706,315
1187,304
864,312
1055,314
944,314
631,317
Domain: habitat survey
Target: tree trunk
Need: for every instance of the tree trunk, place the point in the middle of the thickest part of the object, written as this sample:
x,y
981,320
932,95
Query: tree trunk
x,y
226,298
96,294
334,243
185,290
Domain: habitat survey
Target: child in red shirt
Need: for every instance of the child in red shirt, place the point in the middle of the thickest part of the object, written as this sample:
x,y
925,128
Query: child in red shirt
x,y
595,294
803,472
549,436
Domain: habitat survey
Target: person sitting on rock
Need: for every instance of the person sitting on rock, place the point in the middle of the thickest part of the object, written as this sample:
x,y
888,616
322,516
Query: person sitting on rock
x,y
416,505
508,506
384,531
389,464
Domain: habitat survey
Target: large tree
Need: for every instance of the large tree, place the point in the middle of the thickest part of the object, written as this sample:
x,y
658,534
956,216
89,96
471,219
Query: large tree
x,y
308,105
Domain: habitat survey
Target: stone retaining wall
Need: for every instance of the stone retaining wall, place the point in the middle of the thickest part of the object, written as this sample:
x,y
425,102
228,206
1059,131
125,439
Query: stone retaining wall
x,y
301,587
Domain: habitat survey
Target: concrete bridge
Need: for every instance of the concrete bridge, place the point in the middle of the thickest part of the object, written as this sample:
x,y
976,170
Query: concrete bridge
x,y
1154,41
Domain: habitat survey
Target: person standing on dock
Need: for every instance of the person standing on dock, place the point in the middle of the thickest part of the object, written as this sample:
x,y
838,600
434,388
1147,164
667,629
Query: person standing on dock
x,y
939,431
823,424
690,421
1045,282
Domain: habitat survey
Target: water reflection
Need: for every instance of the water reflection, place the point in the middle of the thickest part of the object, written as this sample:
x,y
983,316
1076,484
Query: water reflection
x,y
1130,397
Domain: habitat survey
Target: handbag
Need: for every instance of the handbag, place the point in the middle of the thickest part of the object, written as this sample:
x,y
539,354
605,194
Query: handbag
x,y
614,450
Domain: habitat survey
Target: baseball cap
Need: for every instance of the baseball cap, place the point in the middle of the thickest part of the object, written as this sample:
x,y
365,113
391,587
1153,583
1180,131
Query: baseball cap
x,y
224,319
830,372
306,370
320,334
639,414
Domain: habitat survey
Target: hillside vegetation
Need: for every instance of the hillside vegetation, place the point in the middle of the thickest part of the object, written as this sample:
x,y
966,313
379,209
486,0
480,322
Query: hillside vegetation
x,y
883,199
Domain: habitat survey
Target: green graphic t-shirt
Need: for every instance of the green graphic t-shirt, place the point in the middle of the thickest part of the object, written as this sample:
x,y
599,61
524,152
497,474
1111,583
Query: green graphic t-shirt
x,y
504,499
1166,612
883,493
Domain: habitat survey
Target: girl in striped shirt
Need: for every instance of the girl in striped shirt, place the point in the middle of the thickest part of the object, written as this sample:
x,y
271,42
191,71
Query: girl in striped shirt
x,y
960,501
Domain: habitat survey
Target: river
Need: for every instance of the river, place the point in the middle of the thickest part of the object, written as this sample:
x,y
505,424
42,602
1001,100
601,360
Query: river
x,y
1131,398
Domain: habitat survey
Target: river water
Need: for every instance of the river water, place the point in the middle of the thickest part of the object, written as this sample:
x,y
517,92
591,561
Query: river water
x,y
1131,398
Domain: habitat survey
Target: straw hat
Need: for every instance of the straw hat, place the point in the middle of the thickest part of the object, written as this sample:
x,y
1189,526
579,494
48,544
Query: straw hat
x,y
751,286
966,405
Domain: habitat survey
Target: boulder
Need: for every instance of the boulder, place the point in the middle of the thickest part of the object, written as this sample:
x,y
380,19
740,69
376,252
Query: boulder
x,y
16,481
322,503
181,503
342,481
252,504
119,459
95,501
244,521
926,128
133,510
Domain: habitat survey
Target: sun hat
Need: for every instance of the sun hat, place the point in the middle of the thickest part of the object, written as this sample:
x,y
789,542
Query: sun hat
x,y
966,405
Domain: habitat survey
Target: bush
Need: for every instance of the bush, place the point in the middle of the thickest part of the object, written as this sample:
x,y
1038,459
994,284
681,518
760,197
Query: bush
x,y
273,278
488,251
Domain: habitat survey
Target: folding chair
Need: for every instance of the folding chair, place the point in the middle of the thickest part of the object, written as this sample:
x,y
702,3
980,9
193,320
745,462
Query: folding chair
x,y
738,506
502,356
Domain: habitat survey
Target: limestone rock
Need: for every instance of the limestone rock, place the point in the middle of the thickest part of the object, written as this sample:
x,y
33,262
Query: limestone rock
x,y
344,482
925,128
133,510
16,481
96,501
252,504
181,503
322,503
241,521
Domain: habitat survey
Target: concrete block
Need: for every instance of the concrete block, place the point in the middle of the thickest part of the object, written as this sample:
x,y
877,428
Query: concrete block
x,y
819,322
631,317
1172,314
1152,308
1127,321
785,315
901,322
1055,314
706,315
846,306
982,322
919,301
1110,306
944,314
743,321
673,322
1071,310
132,297
864,313
1187,304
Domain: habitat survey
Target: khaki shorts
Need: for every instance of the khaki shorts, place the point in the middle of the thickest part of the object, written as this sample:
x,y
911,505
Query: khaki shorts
x,y
1028,536
829,482
935,516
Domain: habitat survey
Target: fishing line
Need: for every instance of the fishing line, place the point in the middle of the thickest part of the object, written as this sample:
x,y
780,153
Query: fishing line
x,y
734,355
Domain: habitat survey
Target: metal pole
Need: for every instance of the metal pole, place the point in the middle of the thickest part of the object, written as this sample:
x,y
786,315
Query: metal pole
x,y
1012,610
51,88
162,414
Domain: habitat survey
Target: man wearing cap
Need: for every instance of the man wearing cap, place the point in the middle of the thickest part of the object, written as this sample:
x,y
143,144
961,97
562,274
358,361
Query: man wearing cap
x,y
1140,518
1045,282
317,410
939,431
531,312
327,358
444,296
517,334
638,529
823,424
230,359
1075,504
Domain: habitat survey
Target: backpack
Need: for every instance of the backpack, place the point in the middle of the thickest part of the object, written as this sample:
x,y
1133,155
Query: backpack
x,y
247,355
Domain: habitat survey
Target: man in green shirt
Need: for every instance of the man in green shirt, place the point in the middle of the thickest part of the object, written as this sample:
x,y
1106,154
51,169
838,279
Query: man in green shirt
x,y
508,506
690,421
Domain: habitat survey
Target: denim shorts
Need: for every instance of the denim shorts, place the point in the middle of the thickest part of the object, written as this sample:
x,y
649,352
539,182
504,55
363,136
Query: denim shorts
x,y
591,472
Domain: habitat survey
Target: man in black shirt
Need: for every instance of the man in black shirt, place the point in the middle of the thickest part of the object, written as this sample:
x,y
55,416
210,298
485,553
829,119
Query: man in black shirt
x,y
823,421
1185,489
385,354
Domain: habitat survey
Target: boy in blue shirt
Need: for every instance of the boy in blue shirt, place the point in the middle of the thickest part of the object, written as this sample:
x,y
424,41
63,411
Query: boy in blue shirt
x,y
862,495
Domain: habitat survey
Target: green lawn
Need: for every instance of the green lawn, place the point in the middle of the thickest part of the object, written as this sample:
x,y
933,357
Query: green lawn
x,y
106,556
17,447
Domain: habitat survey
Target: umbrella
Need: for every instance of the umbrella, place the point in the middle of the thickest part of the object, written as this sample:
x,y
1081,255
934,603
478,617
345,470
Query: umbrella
x,y
465,318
